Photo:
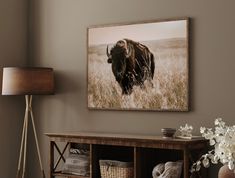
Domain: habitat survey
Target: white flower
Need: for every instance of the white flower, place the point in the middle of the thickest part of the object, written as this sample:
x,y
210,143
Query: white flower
x,y
217,121
205,161
223,140
212,142
186,130
202,130
231,165
214,159
198,165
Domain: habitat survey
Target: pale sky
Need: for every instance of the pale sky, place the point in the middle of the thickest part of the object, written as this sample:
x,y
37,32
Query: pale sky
x,y
138,32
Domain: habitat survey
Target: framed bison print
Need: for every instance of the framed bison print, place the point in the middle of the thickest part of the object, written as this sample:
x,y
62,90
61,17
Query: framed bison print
x,y
139,66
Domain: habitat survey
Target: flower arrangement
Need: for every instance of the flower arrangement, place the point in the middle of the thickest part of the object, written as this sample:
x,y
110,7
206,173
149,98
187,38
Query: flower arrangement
x,y
223,141
186,131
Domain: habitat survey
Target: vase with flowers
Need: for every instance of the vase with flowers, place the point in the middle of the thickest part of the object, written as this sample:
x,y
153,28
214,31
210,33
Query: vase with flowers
x,y
222,139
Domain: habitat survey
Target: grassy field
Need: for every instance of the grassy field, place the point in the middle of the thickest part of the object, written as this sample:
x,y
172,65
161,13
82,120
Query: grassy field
x,y
170,80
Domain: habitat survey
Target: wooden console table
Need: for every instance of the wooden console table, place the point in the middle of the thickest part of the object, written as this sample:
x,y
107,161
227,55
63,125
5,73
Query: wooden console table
x,y
144,151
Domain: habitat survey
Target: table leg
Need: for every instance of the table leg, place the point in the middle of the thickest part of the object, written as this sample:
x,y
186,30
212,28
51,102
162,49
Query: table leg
x,y
52,159
186,163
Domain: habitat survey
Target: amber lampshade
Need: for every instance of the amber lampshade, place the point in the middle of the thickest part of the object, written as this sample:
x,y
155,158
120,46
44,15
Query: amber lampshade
x,y
27,81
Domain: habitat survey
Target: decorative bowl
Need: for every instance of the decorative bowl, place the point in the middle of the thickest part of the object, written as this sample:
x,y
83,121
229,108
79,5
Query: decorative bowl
x,y
168,132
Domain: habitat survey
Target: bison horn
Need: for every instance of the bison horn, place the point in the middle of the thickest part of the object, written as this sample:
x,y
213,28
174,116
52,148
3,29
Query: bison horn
x,y
129,51
107,51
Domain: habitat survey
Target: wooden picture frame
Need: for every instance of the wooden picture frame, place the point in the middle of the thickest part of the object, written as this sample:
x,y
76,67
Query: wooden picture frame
x,y
139,66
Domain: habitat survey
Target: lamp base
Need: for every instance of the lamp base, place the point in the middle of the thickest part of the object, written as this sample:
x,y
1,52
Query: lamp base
x,y
23,146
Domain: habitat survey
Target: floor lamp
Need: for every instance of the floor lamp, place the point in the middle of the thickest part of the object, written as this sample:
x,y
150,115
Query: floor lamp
x,y
27,81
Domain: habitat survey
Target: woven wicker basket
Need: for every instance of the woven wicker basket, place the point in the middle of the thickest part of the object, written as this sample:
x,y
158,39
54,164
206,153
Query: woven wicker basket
x,y
116,169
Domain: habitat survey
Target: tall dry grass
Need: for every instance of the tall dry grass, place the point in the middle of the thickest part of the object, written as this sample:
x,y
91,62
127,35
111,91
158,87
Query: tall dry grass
x,y
170,80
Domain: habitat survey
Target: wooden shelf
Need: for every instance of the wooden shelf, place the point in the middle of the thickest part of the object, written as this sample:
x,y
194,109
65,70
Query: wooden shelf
x,y
60,174
143,150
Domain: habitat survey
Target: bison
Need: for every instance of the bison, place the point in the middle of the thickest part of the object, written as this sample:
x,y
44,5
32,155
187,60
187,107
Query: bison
x,y
132,64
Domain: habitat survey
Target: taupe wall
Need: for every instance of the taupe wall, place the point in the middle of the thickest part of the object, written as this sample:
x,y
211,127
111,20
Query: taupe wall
x,y
58,40
13,45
